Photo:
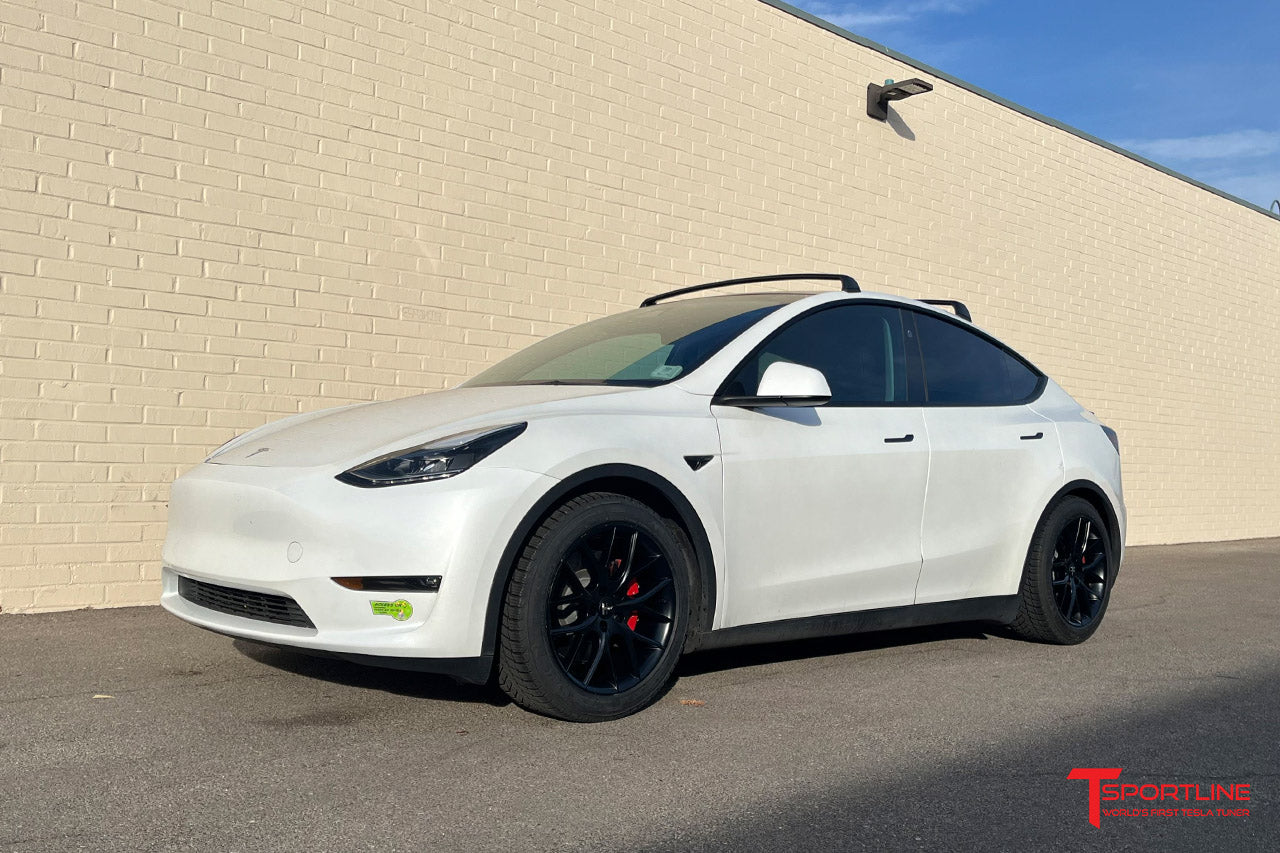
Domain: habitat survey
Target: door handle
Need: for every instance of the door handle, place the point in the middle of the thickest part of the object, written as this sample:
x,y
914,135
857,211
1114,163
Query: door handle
x,y
901,440
1033,437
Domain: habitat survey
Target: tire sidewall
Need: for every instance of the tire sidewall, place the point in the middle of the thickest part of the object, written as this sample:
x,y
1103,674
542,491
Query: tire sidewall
x,y
542,566
1047,536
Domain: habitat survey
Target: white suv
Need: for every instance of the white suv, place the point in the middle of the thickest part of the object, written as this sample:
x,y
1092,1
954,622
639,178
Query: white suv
x,y
692,474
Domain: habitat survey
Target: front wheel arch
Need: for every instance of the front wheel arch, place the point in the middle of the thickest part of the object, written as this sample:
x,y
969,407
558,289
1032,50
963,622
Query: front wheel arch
x,y
633,481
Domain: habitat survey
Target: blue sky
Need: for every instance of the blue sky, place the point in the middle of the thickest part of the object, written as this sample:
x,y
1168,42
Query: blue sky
x,y
1194,86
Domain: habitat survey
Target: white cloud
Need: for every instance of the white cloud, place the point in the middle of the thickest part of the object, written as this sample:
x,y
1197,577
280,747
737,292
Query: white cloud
x,y
1260,187
1238,144
857,16
1241,162
854,21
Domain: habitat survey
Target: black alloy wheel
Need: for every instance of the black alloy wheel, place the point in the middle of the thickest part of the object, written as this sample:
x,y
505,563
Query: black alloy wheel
x,y
596,612
611,608
1068,576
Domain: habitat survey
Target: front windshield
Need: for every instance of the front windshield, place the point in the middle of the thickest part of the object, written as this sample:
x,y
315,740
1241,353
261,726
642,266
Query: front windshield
x,y
647,346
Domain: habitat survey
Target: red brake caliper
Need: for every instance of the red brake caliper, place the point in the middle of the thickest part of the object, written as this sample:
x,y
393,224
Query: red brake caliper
x,y
633,591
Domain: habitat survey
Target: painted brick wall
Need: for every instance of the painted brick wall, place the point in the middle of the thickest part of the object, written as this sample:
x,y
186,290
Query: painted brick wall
x,y
214,214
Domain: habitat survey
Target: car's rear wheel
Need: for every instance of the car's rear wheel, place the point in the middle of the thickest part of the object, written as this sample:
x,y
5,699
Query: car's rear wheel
x,y
596,611
1067,580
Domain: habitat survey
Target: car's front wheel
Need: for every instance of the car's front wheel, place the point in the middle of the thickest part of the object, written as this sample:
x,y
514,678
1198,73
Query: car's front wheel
x,y
596,612
1066,583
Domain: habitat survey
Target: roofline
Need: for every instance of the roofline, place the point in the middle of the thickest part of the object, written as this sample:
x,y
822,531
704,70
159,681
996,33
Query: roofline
x,y
823,297
847,283
820,297
1005,102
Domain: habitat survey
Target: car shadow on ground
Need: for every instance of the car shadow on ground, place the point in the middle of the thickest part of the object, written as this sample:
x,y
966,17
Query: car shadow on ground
x,y
716,660
423,685
420,685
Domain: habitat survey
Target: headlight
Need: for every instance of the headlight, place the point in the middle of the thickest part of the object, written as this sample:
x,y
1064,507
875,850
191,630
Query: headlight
x,y
435,461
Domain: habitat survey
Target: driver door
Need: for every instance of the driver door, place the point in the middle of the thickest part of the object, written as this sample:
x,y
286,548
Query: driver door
x,y
823,505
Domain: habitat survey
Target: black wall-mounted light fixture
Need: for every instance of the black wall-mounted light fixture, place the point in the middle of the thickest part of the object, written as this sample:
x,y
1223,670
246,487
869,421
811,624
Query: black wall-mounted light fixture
x,y
878,97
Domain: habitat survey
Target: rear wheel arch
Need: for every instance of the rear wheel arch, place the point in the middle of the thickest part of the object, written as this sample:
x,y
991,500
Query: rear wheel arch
x,y
1068,574
644,485
1092,493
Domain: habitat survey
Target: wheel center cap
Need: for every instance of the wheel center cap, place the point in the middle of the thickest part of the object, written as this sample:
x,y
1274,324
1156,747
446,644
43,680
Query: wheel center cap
x,y
605,608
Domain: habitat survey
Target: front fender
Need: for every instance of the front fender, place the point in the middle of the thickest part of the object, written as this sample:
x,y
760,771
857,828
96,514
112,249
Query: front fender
x,y
704,534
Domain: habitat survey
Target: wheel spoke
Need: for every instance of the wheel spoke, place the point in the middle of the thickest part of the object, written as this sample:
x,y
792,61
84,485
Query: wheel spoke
x,y
1087,529
641,638
653,560
603,577
571,579
629,641
1071,605
653,614
625,574
1065,579
571,660
606,641
574,628
595,662
647,594
587,562
1066,545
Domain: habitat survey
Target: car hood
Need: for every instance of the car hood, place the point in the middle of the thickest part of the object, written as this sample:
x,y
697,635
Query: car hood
x,y
354,433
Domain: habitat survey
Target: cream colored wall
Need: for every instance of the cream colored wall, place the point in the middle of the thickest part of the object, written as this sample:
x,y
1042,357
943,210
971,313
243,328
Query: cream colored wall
x,y
214,214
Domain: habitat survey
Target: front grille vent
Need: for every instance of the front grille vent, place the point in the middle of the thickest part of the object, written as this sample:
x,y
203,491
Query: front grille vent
x,y
279,609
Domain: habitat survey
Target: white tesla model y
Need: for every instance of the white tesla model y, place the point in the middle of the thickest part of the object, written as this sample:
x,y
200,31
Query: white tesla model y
x,y
694,473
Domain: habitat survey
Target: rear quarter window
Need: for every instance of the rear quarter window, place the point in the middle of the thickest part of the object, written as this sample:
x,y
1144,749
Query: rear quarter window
x,y
962,367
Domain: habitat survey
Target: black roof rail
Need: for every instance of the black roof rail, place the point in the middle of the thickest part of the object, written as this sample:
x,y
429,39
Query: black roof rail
x,y
962,311
847,284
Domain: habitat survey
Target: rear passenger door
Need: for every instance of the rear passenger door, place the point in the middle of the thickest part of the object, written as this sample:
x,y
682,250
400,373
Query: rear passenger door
x,y
991,460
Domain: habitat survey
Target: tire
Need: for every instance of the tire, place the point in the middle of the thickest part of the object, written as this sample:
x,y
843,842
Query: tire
x,y
597,610
1067,579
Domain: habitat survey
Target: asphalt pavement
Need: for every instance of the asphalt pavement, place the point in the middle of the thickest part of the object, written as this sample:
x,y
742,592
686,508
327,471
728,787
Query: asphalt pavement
x,y
128,730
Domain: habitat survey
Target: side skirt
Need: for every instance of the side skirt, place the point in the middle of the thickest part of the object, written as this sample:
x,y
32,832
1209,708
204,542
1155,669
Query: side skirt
x,y
1000,609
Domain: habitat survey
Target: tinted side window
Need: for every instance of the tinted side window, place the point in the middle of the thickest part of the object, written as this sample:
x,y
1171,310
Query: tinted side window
x,y
962,367
859,348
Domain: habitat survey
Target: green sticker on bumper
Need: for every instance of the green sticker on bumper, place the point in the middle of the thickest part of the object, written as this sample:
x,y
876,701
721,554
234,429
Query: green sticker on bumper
x,y
398,610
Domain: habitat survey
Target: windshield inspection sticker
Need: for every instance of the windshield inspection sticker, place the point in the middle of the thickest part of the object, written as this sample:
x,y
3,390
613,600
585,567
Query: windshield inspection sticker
x,y
666,371
398,610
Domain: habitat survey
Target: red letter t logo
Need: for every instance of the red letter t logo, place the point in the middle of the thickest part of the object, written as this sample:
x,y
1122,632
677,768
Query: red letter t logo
x,y
1095,775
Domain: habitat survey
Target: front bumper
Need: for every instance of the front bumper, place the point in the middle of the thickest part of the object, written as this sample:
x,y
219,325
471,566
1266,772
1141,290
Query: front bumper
x,y
287,532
